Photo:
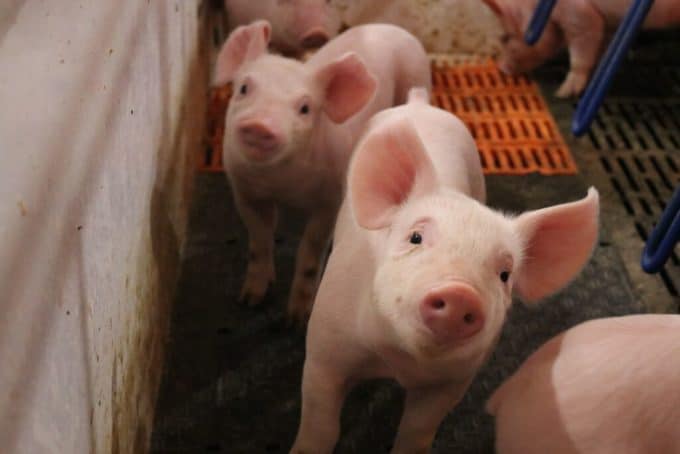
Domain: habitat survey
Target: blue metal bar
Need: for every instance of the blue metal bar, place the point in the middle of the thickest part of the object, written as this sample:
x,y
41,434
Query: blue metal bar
x,y
538,21
609,65
663,238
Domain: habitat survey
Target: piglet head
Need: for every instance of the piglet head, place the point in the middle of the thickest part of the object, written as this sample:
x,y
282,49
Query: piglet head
x,y
278,103
304,24
447,265
517,57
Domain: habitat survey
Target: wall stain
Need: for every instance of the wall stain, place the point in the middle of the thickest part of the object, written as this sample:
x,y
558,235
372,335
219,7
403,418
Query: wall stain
x,y
151,282
22,208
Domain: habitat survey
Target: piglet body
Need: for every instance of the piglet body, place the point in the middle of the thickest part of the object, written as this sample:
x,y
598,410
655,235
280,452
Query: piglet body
x,y
580,25
603,387
420,277
296,24
290,130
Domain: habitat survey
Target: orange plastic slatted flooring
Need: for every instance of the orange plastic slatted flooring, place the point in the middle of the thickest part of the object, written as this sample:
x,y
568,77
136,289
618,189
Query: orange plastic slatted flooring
x,y
514,130
511,123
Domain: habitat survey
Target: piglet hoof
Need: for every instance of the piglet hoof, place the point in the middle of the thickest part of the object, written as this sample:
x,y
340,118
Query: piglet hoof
x,y
573,85
295,450
299,309
251,299
254,290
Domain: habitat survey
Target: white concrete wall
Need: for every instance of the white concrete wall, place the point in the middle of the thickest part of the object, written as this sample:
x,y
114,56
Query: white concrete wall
x,y
101,109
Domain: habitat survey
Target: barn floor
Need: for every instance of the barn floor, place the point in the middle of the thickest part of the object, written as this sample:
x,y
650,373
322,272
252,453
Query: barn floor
x,y
232,374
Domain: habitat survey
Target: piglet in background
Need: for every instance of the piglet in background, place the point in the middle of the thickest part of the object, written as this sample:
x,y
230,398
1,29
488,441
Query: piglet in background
x,y
297,25
607,386
421,274
580,25
291,128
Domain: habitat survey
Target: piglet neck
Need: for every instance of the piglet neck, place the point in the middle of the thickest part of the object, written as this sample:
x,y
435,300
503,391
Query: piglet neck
x,y
371,326
323,148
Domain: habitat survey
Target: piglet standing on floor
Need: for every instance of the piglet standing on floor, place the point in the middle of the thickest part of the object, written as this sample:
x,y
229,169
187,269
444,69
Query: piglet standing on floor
x,y
580,25
607,386
421,274
290,130
297,25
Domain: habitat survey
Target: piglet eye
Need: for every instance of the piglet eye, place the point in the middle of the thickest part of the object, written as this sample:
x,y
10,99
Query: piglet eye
x,y
505,275
304,110
244,89
416,238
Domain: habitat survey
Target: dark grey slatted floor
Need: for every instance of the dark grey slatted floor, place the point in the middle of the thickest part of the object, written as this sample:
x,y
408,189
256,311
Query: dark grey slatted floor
x,y
232,375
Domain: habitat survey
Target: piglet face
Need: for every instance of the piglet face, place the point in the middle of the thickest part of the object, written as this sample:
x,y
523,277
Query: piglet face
x,y
446,264
445,275
279,103
272,112
516,56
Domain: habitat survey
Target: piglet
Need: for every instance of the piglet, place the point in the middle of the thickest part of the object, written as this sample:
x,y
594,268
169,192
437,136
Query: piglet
x,y
297,25
580,25
290,130
421,273
605,386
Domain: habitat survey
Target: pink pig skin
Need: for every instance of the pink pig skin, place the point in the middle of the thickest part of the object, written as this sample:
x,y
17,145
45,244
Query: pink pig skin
x,y
580,25
296,24
290,130
420,277
608,386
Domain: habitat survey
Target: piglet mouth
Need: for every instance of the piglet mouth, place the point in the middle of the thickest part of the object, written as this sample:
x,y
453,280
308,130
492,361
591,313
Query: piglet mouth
x,y
314,39
260,153
260,139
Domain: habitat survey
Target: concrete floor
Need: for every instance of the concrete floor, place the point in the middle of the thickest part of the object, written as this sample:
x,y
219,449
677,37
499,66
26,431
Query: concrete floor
x,y
232,375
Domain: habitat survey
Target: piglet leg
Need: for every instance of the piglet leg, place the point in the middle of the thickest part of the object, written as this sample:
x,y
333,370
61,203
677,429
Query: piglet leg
x,y
584,33
311,251
259,216
323,394
424,410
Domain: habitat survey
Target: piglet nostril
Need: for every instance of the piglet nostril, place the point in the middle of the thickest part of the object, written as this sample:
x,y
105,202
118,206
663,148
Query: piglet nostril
x,y
438,304
469,318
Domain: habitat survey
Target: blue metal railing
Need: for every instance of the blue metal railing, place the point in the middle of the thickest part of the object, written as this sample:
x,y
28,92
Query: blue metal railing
x,y
666,234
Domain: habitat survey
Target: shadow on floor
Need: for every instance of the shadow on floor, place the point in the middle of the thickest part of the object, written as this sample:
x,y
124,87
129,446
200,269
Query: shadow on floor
x,y
232,376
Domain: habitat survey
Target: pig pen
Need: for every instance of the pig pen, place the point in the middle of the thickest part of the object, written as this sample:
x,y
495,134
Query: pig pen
x,y
232,376
111,238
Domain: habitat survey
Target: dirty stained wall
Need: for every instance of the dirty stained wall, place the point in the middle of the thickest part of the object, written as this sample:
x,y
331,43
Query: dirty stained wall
x,y
443,26
100,115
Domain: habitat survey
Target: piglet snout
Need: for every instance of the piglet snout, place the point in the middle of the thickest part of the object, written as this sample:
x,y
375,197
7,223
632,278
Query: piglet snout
x,y
259,135
452,312
314,38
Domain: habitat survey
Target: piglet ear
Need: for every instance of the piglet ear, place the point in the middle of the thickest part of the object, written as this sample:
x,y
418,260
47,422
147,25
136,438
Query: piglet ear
x,y
347,86
493,4
244,44
558,240
389,166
